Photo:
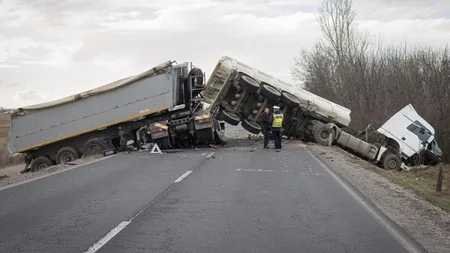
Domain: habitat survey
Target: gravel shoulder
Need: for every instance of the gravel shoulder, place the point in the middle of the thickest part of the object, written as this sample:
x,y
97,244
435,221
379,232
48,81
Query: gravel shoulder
x,y
20,177
425,222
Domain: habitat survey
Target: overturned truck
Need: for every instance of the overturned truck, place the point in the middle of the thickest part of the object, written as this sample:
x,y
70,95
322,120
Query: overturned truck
x,y
239,93
162,105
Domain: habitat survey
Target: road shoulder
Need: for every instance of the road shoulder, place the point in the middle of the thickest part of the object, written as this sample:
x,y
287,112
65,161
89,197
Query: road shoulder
x,y
428,224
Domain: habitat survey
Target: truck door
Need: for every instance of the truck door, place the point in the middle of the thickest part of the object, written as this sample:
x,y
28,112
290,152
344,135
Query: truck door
x,y
417,136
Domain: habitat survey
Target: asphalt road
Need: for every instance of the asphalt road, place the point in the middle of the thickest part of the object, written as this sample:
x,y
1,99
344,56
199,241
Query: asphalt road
x,y
234,201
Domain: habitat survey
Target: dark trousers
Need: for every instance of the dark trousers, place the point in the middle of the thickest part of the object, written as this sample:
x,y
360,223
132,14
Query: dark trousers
x,y
266,133
277,138
222,126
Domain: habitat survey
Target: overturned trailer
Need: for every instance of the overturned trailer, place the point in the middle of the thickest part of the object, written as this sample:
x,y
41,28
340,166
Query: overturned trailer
x,y
239,93
161,105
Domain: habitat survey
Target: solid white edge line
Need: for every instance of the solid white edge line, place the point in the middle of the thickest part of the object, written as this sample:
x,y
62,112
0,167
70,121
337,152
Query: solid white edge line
x,y
381,220
107,237
183,176
210,154
54,173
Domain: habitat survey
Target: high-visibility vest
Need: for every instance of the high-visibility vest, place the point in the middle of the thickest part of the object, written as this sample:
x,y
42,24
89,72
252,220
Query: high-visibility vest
x,y
277,120
221,121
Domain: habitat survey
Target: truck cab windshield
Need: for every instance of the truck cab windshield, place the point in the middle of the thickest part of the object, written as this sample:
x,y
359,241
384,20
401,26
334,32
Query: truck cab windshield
x,y
435,148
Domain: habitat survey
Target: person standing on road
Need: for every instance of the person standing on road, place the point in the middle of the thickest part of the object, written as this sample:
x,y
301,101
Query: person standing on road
x,y
265,126
277,122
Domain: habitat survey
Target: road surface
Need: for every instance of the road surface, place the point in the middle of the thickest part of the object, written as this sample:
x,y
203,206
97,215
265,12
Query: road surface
x,y
195,201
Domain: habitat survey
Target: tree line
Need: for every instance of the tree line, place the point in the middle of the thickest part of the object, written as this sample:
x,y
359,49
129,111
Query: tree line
x,y
349,67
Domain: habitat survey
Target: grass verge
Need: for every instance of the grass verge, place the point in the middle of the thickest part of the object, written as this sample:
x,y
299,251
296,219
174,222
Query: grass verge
x,y
422,182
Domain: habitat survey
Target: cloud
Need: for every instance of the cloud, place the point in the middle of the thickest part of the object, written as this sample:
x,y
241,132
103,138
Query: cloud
x,y
29,95
60,47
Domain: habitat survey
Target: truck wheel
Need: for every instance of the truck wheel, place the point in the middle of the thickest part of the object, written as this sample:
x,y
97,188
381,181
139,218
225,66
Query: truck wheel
x,y
248,83
289,99
229,117
94,145
251,126
322,134
219,138
391,162
205,136
39,163
66,154
270,92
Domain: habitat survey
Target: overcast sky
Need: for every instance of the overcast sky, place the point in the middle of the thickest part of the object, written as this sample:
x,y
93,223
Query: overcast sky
x,y
54,48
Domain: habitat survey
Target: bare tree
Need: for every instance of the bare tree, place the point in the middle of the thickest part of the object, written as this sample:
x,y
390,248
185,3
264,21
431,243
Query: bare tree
x,y
350,68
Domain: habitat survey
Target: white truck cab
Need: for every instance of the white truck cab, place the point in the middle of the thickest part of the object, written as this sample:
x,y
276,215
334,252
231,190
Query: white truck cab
x,y
411,137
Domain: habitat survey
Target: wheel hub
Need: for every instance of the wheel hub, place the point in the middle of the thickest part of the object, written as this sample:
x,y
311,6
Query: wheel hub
x,y
324,134
42,166
68,158
272,89
94,147
392,164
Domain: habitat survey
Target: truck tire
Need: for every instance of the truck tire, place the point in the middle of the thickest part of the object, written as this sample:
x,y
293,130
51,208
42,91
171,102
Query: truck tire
x,y
391,162
270,92
163,143
251,126
39,163
198,73
205,136
219,138
321,134
248,83
66,154
289,99
94,144
229,117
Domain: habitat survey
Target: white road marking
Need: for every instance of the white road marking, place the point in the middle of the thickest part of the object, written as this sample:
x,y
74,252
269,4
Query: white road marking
x,y
123,224
377,215
107,237
183,176
310,173
56,172
260,170
204,154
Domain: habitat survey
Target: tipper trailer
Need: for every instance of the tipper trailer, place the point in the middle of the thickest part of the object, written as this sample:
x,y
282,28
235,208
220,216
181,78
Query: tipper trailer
x,y
239,93
162,105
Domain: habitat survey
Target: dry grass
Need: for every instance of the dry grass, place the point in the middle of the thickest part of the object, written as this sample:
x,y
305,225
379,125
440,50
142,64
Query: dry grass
x,y
423,183
5,159
420,181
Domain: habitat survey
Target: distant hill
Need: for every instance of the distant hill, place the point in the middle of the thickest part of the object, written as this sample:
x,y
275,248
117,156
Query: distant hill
x,y
3,110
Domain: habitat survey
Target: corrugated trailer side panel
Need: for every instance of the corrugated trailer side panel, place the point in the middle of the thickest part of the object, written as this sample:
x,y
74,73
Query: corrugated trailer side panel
x,y
140,98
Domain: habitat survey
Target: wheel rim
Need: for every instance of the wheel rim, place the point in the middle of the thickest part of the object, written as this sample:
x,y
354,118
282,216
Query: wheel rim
x,y
231,115
392,164
324,134
271,89
250,81
94,147
68,157
291,98
42,166
253,124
